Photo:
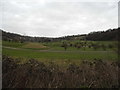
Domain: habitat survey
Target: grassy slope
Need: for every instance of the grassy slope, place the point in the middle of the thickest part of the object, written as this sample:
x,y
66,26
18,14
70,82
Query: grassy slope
x,y
27,45
87,55
72,54
12,44
54,45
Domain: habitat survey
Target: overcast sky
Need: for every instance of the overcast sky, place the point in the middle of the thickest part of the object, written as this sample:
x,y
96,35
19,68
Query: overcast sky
x,y
50,18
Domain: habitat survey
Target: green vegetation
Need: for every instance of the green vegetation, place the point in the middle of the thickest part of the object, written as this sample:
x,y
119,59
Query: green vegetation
x,y
81,55
27,45
64,62
53,51
12,44
58,45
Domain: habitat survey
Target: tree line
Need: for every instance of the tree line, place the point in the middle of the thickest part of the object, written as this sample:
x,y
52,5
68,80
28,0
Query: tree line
x,y
111,34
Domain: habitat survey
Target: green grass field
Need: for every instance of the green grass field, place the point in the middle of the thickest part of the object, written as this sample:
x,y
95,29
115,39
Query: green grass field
x,y
54,52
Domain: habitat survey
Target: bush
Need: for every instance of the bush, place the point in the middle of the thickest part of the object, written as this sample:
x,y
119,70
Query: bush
x,y
35,74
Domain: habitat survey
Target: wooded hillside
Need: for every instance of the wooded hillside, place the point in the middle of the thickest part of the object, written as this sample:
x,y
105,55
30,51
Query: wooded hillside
x,y
111,34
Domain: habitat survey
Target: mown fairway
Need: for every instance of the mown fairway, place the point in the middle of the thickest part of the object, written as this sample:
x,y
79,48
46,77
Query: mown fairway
x,y
54,52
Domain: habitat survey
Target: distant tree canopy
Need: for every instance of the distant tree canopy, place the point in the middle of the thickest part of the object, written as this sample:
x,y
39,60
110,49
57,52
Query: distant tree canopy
x,y
6,36
111,34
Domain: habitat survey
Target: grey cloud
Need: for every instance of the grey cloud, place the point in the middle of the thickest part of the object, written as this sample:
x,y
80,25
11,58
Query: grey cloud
x,y
53,19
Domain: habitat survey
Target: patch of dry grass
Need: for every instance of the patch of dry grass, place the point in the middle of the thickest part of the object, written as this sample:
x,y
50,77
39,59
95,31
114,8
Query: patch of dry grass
x,y
34,45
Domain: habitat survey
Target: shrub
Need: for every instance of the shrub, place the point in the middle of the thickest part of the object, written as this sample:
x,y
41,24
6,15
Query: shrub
x,y
35,74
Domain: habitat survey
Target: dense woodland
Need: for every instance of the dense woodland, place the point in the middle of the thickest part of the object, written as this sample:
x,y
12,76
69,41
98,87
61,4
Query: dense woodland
x,y
108,35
